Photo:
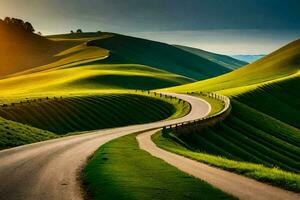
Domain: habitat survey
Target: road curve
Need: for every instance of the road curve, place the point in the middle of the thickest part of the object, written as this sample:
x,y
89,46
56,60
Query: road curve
x,y
239,186
48,170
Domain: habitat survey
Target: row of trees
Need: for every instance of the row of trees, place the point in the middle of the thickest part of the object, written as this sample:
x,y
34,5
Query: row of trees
x,y
18,24
78,31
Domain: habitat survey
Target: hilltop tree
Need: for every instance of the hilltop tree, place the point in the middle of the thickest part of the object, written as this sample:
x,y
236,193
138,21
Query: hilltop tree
x,y
79,31
17,24
28,27
7,20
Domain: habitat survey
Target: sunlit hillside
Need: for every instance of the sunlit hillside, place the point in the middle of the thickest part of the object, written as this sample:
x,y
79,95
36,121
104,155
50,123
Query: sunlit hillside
x,y
279,65
102,62
21,50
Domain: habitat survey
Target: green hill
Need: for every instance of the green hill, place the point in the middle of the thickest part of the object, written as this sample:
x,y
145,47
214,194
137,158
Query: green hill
x,y
57,117
15,134
223,60
260,138
105,61
21,50
279,65
161,56
89,112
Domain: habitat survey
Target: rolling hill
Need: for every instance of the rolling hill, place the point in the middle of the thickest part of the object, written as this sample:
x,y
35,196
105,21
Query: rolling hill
x,y
161,56
14,134
278,66
21,50
54,117
223,60
260,138
99,62
82,113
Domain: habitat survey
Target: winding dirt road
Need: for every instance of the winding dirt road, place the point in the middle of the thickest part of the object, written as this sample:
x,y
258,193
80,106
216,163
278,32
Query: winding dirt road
x,y
48,170
237,185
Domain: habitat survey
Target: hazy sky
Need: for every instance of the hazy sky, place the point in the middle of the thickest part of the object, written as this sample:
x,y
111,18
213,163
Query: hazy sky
x,y
225,26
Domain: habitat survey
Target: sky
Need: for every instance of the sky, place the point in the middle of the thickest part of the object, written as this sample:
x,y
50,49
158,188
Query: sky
x,y
222,26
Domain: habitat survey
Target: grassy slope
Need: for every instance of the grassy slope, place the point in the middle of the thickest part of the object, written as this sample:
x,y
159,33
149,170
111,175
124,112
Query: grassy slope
x,y
280,65
15,134
226,61
82,113
120,170
92,78
261,133
109,62
89,112
279,100
85,68
263,130
161,56
21,50
273,176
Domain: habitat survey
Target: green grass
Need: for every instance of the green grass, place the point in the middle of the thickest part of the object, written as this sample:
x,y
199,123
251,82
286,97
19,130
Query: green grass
x,y
72,114
161,56
223,60
260,138
120,170
15,134
79,114
248,142
280,65
98,62
279,100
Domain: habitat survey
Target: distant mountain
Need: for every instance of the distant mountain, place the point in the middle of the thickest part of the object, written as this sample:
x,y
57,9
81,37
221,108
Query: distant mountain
x,y
224,60
248,58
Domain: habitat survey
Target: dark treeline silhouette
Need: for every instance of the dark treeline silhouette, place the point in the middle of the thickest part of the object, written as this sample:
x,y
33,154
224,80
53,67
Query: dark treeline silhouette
x,y
16,24
78,31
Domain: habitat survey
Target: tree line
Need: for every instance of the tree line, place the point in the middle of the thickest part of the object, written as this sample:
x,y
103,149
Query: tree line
x,y
17,24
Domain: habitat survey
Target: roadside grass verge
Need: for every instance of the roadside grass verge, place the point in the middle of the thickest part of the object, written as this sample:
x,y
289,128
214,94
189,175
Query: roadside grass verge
x,y
248,142
273,176
15,134
120,170
216,105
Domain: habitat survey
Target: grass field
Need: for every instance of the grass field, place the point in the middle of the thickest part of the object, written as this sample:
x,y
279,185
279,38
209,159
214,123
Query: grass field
x,y
77,114
102,62
21,50
161,56
84,113
279,100
280,65
88,68
260,138
15,134
120,170
223,60
248,142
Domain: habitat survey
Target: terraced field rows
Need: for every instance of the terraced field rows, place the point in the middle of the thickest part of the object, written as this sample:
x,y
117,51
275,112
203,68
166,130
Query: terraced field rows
x,y
89,112
279,100
239,139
